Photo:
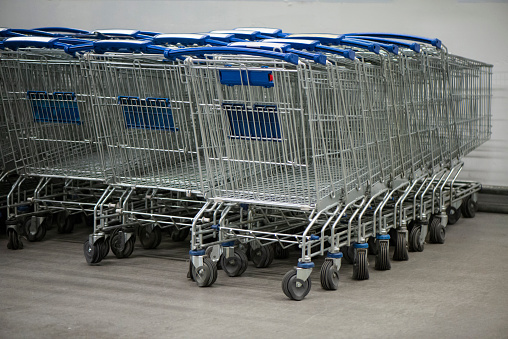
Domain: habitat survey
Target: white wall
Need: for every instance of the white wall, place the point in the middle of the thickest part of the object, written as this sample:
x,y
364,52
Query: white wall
x,y
474,29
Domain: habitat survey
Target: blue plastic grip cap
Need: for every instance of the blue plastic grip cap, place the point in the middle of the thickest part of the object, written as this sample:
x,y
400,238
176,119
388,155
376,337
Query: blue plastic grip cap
x,y
334,255
358,245
305,264
197,253
314,237
228,244
184,39
216,227
383,237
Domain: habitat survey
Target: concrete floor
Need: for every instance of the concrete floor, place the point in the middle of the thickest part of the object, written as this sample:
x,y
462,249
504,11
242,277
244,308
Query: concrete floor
x,y
455,290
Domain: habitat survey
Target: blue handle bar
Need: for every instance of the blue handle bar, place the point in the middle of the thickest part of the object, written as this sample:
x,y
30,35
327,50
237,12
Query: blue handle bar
x,y
184,39
347,53
370,46
246,35
272,32
62,30
37,42
34,32
222,37
267,46
410,45
316,57
309,45
434,42
180,52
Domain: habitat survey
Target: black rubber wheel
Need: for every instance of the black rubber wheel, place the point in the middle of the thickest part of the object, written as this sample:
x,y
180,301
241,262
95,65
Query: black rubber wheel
x,y
454,214
180,235
329,276
245,261
440,234
205,275
469,207
104,246
14,242
415,244
34,233
293,288
149,237
400,253
434,223
262,256
117,244
280,252
360,265
92,252
383,256
233,266
348,253
129,247
373,248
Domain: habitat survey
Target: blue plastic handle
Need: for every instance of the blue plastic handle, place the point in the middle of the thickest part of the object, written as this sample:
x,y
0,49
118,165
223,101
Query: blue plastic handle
x,y
221,37
324,39
7,33
62,30
370,46
125,46
246,35
434,42
267,46
347,53
410,45
23,42
309,45
272,32
180,52
184,39
34,32
316,57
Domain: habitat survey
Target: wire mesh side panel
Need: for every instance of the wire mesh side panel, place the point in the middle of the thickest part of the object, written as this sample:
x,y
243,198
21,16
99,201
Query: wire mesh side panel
x,y
470,92
144,118
50,118
255,131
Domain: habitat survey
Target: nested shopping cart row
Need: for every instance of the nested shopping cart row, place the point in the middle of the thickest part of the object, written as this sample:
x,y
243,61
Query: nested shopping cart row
x,y
259,146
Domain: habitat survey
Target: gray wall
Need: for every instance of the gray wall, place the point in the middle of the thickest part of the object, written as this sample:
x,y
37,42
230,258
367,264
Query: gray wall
x,y
474,29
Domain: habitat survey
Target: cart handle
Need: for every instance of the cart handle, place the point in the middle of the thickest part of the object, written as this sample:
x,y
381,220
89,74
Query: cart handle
x,y
333,39
122,33
272,45
434,42
410,45
186,39
123,46
34,32
180,52
62,30
39,42
244,34
307,44
273,32
346,53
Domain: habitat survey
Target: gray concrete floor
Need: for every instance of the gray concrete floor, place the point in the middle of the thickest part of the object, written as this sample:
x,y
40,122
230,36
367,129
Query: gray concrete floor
x,y
458,289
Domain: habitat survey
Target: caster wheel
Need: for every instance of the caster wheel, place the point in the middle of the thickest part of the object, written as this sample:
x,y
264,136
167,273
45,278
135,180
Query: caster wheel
x,y
329,276
118,247
400,253
373,248
440,234
150,238
14,242
415,243
34,233
454,214
235,265
205,275
104,248
263,256
361,265
280,252
348,253
469,207
180,235
434,223
294,288
92,252
383,256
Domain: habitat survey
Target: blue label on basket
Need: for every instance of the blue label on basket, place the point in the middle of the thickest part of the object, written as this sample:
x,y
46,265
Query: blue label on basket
x,y
149,113
232,77
59,107
259,122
